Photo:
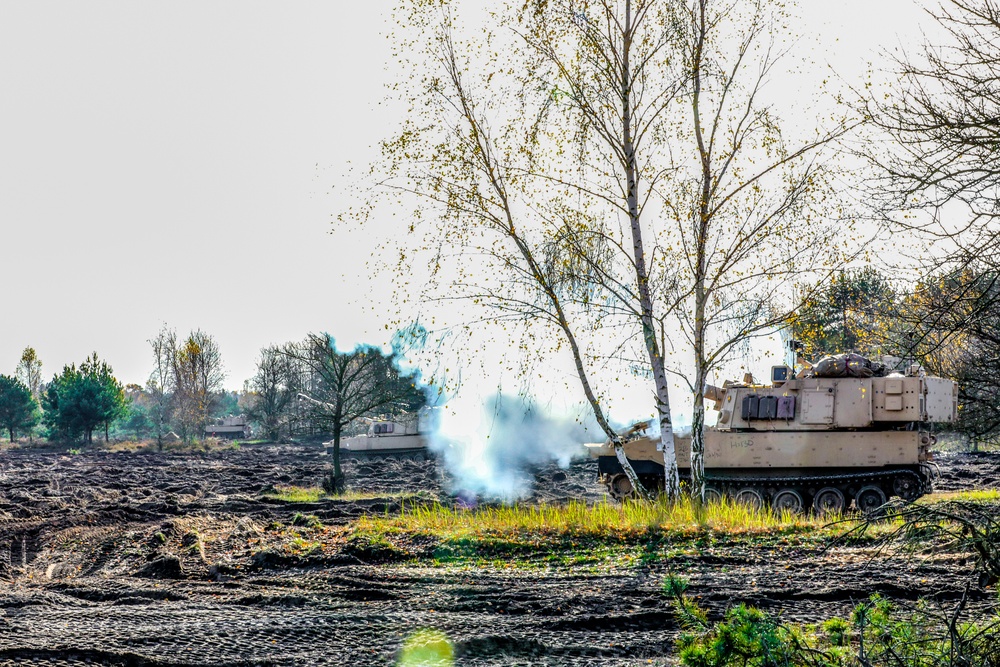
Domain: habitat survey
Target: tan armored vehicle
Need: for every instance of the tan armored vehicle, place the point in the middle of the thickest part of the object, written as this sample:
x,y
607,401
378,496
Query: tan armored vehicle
x,y
232,427
387,439
816,441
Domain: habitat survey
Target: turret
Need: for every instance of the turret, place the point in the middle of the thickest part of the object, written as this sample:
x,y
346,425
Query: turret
x,y
816,401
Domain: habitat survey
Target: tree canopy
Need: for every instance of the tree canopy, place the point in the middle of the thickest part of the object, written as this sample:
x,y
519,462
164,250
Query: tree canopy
x,y
345,386
18,410
79,400
624,178
856,311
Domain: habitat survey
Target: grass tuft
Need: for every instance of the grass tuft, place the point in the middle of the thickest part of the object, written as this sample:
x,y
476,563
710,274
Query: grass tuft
x,y
314,494
974,496
295,494
576,518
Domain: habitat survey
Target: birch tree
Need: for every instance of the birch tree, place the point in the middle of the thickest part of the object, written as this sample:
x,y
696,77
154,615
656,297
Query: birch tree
x,y
29,371
501,168
623,175
198,374
614,74
160,384
729,215
754,213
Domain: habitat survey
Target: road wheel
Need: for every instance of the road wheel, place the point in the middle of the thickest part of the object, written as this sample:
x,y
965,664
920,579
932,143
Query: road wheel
x,y
620,487
750,497
788,500
869,499
828,501
906,485
712,495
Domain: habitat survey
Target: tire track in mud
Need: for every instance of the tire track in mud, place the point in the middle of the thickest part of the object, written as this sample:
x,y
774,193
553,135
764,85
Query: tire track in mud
x,y
88,521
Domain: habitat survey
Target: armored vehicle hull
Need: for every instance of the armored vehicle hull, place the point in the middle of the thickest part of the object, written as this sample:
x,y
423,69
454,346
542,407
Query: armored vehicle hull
x,y
814,442
789,471
385,439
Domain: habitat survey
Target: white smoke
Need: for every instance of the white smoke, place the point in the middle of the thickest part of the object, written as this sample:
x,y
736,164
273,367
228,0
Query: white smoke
x,y
491,448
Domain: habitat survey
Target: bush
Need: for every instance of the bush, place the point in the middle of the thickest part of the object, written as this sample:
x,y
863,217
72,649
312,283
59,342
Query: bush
x,y
306,520
838,631
333,485
879,634
748,637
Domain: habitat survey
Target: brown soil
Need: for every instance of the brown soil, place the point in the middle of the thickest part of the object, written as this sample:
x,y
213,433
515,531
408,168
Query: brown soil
x,y
176,559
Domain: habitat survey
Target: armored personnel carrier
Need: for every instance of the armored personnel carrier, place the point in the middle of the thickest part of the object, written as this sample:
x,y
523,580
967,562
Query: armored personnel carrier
x,y
840,432
400,439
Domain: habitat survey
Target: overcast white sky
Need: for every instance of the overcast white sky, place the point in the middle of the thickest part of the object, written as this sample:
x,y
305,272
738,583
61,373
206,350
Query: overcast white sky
x,y
180,162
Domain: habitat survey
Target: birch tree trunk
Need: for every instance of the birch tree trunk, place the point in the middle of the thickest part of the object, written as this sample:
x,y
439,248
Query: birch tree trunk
x,y
616,441
701,238
495,176
671,477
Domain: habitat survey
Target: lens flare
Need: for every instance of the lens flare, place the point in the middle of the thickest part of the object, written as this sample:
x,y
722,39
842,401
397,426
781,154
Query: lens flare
x,y
427,648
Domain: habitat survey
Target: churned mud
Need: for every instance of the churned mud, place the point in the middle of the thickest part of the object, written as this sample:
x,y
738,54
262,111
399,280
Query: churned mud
x,y
170,559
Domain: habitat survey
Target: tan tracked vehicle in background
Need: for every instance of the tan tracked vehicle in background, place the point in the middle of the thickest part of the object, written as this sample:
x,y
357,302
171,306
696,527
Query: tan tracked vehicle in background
x,y
809,441
399,439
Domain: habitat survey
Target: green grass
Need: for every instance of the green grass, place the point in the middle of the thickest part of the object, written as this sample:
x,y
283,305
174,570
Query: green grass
x,y
593,537
295,494
975,496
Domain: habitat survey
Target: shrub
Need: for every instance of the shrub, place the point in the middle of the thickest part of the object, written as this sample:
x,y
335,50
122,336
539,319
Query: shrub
x,y
306,520
879,634
748,637
838,631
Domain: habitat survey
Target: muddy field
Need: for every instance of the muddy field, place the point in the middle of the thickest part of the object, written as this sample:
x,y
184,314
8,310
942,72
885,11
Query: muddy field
x,y
161,559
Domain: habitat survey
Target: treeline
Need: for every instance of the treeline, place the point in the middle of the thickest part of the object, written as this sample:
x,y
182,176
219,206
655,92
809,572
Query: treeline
x,y
948,322
72,405
183,393
303,388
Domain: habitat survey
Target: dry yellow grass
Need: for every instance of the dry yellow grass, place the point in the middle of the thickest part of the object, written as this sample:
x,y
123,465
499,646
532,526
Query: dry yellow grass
x,y
578,518
313,494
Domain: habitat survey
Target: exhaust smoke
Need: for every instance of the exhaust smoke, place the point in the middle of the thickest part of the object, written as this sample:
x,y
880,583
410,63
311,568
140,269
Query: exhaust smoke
x,y
492,448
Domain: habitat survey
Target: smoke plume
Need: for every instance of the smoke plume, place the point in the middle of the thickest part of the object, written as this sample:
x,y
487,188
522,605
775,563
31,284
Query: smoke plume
x,y
492,448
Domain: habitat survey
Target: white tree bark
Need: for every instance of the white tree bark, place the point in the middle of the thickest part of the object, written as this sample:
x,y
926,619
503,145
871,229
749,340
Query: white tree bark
x,y
671,477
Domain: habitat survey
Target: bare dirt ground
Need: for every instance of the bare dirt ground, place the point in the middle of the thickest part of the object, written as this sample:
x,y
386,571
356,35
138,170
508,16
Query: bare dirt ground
x,y
164,559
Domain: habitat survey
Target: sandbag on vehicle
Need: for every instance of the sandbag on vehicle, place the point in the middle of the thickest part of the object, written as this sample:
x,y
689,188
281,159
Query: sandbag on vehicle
x,y
846,365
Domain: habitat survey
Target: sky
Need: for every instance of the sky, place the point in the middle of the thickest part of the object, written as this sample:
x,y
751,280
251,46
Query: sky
x,y
181,162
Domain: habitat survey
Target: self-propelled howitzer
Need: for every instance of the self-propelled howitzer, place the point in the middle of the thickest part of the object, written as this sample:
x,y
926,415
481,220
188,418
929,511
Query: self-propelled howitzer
x,y
817,441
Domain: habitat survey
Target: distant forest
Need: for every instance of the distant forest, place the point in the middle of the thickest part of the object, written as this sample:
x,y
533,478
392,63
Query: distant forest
x,y
301,389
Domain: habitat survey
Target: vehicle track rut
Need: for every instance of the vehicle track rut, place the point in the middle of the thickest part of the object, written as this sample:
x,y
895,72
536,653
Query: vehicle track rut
x,y
84,578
